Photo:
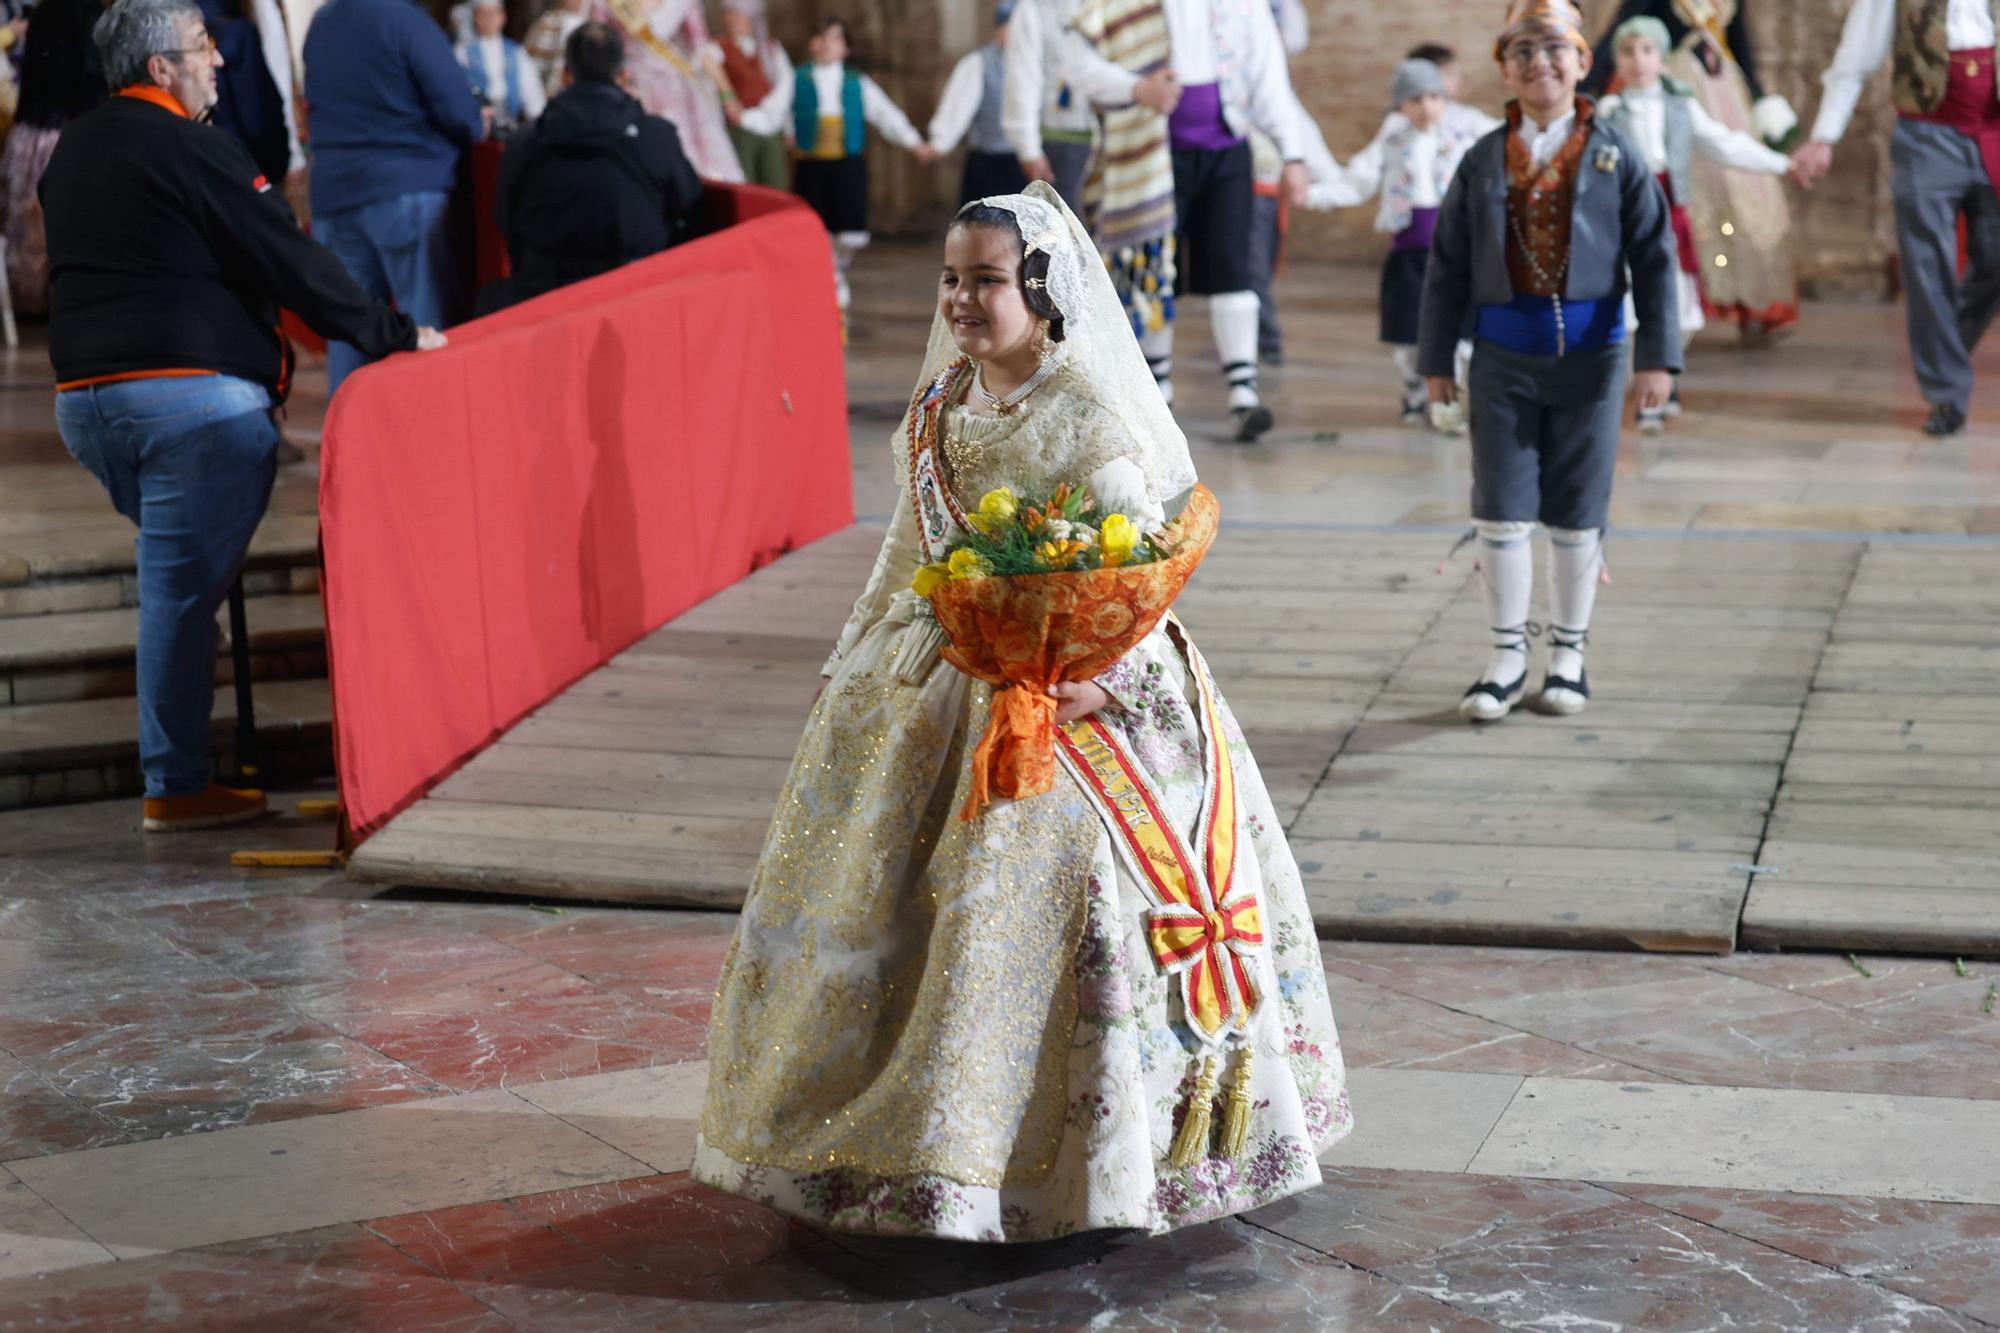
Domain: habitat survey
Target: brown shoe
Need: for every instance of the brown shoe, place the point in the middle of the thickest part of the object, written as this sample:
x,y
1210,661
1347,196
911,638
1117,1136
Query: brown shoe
x,y
212,807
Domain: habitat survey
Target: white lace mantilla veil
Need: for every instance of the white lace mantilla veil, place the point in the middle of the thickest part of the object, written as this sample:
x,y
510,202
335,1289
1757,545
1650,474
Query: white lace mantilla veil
x,y
1097,344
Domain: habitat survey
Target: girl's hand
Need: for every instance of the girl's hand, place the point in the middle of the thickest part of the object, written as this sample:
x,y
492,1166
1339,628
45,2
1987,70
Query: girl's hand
x,y
1077,699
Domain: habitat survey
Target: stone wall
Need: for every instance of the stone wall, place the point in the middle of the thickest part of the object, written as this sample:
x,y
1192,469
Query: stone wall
x,y
1845,236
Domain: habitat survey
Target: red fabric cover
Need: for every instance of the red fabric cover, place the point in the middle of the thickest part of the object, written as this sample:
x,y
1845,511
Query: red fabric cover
x,y
503,516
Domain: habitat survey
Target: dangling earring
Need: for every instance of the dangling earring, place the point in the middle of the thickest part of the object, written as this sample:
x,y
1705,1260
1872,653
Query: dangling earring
x,y
1041,341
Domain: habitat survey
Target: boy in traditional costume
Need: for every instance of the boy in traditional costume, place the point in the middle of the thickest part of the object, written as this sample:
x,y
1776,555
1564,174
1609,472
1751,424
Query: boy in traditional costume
x,y
1946,157
973,102
504,80
755,76
1533,243
1458,115
1179,87
832,108
1666,123
1051,128
1411,163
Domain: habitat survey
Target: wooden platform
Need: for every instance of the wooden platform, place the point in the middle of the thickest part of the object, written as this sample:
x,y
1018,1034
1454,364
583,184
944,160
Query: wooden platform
x,y
1753,738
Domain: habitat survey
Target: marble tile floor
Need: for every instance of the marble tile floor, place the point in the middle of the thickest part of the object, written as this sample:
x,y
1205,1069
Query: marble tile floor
x,y
258,1099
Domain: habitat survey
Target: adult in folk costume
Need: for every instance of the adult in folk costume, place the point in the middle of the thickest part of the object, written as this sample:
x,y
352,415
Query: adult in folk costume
x,y
755,74
1051,126
660,72
502,76
1742,222
1946,158
1180,84
971,106
989,1030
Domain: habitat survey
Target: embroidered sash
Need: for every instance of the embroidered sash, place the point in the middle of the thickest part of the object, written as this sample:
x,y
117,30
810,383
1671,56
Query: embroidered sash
x,y
1202,927
940,521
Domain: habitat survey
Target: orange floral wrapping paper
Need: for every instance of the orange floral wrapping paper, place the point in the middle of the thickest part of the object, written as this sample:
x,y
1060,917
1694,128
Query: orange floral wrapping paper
x,y
1023,634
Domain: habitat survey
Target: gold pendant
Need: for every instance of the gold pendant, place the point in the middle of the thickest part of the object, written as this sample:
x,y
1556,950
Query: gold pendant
x,y
1972,69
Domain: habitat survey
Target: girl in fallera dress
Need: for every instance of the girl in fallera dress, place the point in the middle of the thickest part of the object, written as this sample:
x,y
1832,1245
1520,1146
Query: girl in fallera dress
x,y
934,1026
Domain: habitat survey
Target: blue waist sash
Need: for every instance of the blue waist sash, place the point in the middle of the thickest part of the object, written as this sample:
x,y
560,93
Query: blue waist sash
x,y
1527,324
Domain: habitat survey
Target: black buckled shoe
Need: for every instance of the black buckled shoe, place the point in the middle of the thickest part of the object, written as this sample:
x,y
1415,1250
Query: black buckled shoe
x,y
1489,700
1945,419
1252,422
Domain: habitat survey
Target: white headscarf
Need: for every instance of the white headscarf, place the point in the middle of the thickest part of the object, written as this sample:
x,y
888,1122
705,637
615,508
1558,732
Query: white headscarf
x,y
1097,341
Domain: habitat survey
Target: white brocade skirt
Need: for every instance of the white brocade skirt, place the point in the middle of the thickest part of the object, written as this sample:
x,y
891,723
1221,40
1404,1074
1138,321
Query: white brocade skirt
x,y
1128,1063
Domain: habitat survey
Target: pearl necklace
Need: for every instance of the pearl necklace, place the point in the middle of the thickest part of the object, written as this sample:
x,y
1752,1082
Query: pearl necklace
x,y
1007,404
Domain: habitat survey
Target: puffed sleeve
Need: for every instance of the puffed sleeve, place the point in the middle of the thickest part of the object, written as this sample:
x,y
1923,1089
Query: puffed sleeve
x,y
895,565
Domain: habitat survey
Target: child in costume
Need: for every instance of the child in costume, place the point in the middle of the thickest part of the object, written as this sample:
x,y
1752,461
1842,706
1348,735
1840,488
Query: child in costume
x,y
1542,223
1742,222
1458,115
1180,86
1411,163
1051,128
503,78
832,108
973,103
1665,122
1944,156
755,76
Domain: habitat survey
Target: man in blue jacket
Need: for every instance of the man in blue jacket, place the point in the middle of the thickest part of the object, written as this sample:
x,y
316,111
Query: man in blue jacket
x,y
391,113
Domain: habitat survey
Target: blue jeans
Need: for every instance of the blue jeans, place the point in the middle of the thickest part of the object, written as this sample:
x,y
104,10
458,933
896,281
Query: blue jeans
x,y
399,249
191,462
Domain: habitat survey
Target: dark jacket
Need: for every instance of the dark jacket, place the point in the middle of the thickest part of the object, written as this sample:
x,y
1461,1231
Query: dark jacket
x,y
169,250
1618,221
595,143
390,107
248,103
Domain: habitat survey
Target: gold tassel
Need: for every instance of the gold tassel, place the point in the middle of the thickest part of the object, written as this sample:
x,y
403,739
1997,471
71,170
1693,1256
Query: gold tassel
x,y
1236,1109
1191,1144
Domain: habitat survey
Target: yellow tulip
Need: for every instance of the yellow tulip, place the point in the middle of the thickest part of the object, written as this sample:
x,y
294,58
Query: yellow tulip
x,y
997,506
1118,538
965,564
928,578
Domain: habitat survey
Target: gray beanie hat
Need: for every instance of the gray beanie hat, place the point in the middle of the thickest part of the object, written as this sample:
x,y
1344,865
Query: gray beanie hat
x,y
1414,78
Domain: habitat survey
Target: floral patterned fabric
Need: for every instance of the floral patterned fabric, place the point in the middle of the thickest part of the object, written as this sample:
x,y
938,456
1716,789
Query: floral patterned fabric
x,y
1051,1107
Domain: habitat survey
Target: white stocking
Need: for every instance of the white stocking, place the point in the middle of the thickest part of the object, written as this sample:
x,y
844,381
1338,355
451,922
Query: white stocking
x,y
1158,345
1507,573
1233,316
1575,558
846,244
1415,395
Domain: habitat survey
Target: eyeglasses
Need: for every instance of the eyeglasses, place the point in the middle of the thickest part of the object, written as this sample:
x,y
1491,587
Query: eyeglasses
x,y
180,53
1522,55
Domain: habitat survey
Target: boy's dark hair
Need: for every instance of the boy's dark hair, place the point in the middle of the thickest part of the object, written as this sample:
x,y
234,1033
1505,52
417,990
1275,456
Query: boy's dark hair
x,y
594,53
832,21
1034,265
1435,52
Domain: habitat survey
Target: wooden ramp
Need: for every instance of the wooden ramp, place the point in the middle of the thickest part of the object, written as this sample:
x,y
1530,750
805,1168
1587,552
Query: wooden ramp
x,y
1750,725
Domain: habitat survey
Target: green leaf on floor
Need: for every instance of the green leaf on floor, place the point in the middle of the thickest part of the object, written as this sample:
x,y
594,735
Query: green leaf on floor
x,y
1958,965
1992,994
538,907
1856,964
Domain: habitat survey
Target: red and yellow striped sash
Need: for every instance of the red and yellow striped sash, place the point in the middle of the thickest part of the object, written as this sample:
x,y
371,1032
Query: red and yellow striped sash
x,y
1202,926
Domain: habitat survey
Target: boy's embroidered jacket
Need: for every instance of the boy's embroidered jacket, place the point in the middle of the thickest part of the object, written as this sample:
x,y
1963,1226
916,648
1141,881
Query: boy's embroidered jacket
x,y
1618,221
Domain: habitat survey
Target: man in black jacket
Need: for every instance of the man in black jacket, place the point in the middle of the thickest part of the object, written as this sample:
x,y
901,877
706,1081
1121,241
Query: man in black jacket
x,y
169,254
595,183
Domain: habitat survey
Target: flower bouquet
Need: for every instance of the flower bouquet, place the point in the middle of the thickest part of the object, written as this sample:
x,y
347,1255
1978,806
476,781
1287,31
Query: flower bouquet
x,y
1040,592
